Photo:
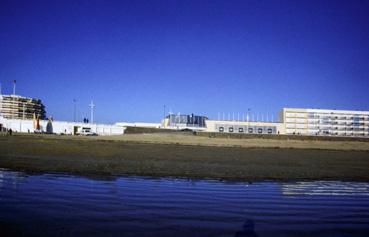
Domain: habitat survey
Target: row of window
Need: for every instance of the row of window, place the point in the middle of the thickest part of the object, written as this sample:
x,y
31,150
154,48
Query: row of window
x,y
341,134
355,117
339,123
329,133
338,128
250,130
188,120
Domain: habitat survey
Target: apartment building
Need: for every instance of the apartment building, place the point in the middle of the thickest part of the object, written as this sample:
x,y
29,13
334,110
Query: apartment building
x,y
19,107
325,122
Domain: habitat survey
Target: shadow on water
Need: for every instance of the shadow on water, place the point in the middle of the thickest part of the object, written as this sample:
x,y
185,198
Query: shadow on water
x,y
248,230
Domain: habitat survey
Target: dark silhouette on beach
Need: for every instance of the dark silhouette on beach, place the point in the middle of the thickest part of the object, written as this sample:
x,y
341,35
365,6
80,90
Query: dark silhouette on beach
x,y
248,230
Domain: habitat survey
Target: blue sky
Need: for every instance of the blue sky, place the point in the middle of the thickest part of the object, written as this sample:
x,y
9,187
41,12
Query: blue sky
x,y
203,57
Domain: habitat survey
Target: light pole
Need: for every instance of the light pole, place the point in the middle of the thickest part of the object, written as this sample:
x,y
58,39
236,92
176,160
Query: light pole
x,y
248,120
164,107
92,105
75,108
14,83
164,112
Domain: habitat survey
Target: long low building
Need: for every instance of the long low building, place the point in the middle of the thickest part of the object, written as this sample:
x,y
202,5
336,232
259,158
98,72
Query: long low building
x,y
293,121
183,121
138,124
202,123
59,127
250,127
28,115
298,121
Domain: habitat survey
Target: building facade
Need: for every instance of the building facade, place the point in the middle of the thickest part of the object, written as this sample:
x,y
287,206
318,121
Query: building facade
x,y
59,127
292,121
325,122
183,121
248,127
18,107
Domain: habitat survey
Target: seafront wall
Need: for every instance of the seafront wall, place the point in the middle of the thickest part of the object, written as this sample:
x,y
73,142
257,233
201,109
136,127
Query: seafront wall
x,y
279,137
59,127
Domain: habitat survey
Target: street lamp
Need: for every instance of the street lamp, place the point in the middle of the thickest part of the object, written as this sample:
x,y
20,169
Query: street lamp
x,y
248,120
75,109
92,105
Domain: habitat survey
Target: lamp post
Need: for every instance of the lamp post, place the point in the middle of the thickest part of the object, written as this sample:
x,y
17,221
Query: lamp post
x,y
248,120
75,109
14,83
164,112
92,105
164,107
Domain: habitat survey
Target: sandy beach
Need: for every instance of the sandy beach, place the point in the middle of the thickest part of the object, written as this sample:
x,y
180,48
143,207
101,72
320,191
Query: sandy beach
x,y
189,156
252,142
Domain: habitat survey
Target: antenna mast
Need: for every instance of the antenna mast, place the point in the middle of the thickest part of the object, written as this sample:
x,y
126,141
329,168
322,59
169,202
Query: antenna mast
x,y
92,105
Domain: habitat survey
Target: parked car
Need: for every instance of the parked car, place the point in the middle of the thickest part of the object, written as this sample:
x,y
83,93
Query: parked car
x,y
87,133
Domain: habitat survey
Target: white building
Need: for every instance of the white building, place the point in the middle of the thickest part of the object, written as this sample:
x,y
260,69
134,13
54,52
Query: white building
x,y
202,123
325,122
28,115
19,107
139,124
184,121
250,127
300,121
59,127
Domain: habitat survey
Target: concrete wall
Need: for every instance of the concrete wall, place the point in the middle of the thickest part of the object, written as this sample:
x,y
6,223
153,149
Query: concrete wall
x,y
142,130
279,137
60,127
139,124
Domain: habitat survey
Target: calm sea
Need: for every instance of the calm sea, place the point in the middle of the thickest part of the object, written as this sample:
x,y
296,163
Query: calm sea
x,y
66,205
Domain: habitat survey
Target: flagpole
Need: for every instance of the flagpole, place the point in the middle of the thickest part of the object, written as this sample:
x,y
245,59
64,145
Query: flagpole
x,y
92,105
14,83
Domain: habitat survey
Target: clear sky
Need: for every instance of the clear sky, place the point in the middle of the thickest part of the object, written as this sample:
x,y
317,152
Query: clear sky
x,y
203,57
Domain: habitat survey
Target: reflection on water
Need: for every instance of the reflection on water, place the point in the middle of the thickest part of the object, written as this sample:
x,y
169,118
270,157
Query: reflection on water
x,y
64,205
330,188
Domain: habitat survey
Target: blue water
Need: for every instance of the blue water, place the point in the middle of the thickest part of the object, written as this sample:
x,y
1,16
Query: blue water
x,y
66,205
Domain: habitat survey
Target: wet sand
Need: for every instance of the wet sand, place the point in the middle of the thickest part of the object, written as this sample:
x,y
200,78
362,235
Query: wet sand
x,y
187,156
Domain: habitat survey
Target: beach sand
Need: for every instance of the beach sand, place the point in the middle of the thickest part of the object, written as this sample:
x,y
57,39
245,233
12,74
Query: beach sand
x,y
188,156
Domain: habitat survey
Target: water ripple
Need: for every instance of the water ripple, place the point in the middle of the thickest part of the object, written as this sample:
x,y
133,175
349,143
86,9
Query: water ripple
x,y
132,206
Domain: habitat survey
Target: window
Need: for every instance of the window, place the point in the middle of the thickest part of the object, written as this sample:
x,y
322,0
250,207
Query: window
x,y
250,130
221,129
240,130
260,130
230,129
270,130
